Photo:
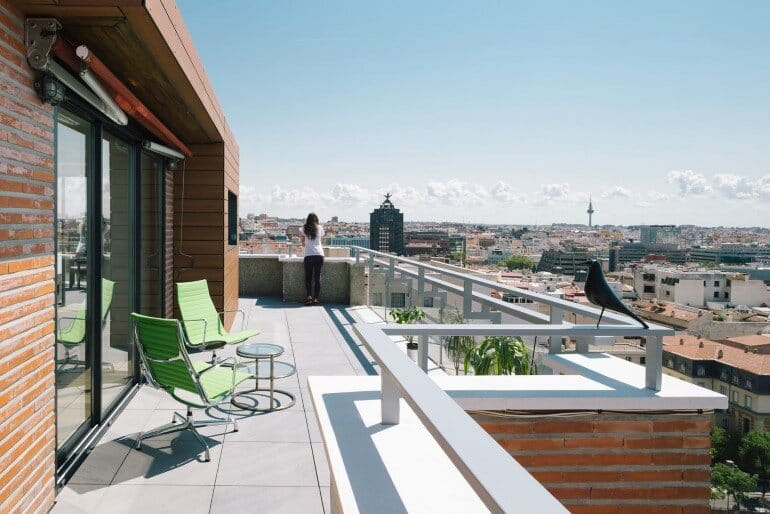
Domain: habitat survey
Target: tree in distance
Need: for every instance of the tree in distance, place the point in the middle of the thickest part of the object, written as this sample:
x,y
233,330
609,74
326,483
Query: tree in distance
x,y
518,262
733,481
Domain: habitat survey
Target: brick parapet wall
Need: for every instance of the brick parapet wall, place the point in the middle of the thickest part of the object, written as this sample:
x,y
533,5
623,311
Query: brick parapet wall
x,y
27,424
614,463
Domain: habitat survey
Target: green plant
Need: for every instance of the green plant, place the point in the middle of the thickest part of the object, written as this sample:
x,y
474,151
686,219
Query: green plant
x,y
407,317
518,262
754,453
733,481
499,355
458,346
724,445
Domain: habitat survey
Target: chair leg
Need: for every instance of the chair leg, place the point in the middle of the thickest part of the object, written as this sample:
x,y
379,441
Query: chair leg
x,y
180,423
168,428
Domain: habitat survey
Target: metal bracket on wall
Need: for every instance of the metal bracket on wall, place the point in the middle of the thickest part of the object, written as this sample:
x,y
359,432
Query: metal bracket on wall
x,y
40,37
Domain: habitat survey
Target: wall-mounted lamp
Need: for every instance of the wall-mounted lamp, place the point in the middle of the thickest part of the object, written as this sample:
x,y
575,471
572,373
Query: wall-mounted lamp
x,y
162,150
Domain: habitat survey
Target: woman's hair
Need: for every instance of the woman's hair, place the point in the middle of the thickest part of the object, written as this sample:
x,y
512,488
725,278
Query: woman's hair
x,y
311,226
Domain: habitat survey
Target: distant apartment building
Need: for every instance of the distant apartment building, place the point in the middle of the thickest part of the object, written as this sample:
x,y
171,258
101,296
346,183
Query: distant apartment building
x,y
433,242
386,228
730,253
663,234
699,288
362,241
497,255
458,243
635,252
566,262
738,368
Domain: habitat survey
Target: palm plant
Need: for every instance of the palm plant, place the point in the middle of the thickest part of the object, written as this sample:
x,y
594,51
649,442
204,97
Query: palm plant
x,y
499,355
458,346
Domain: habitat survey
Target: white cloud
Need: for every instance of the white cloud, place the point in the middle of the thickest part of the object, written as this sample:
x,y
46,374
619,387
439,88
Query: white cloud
x,y
616,192
351,194
554,191
505,193
743,188
456,193
689,182
403,195
643,204
657,196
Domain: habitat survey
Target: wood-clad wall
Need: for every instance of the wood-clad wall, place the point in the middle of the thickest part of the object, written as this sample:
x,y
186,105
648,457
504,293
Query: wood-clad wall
x,y
231,251
203,181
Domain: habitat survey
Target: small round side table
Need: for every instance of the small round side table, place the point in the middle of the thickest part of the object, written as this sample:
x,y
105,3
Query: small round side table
x,y
265,367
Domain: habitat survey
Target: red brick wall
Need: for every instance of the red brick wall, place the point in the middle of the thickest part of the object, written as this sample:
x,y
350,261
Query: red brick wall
x,y
614,463
27,429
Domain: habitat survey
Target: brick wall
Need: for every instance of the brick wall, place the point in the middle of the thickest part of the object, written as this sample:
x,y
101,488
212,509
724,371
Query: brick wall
x,y
27,429
614,463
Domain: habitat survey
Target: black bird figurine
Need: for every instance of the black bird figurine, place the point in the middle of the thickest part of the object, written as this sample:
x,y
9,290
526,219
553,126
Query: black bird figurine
x,y
599,293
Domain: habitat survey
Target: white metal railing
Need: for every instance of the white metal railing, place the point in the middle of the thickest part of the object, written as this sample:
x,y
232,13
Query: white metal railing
x,y
551,325
499,480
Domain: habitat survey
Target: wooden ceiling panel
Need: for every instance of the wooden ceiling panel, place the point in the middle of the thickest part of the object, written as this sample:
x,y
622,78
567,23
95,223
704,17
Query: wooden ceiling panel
x,y
132,51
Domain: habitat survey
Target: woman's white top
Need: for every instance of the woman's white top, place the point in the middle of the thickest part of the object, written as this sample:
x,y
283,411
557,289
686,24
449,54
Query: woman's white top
x,y
313,246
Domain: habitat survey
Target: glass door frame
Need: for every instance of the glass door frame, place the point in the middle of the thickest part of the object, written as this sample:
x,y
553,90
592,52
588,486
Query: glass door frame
x,y
71,451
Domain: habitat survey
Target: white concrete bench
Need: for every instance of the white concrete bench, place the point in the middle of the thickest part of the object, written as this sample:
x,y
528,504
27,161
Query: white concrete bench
x,y
379,468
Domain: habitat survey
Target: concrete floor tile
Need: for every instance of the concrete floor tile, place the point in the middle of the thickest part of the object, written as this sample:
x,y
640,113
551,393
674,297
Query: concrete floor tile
x,y
280,426
175,462
268,464
79,499
321,464
273,500
130,499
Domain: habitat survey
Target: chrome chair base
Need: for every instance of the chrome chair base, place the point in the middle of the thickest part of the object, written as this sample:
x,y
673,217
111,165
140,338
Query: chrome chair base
x,y
180,423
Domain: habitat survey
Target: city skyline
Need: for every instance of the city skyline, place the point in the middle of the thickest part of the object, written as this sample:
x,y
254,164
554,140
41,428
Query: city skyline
x,y
497,113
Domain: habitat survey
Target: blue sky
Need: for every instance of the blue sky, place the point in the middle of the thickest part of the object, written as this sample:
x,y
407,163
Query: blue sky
x,y
498,112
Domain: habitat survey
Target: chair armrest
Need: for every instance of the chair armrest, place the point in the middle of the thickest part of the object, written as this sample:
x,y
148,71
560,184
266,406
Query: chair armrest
x,y
205,325
219,364
244,318
235,365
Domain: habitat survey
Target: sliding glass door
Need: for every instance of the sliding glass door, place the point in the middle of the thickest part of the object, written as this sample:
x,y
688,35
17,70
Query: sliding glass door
x,y
74,346
109,261
117,262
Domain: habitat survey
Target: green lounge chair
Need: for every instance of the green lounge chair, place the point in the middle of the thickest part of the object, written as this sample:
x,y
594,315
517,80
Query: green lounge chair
x,y
201,321
163,352
75,333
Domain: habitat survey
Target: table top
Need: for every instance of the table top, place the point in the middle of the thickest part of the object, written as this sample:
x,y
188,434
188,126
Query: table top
x,y
259,350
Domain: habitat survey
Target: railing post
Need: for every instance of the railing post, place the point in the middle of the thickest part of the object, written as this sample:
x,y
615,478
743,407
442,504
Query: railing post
x,y
390,399
582,344
467,299
554,342
389,276
422,352
654,363
357,255
421,282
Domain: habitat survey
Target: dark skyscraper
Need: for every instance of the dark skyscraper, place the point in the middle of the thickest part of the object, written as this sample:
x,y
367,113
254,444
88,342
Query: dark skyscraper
x,y
386,228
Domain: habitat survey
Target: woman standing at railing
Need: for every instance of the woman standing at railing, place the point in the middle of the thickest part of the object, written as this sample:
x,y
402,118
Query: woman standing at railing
x,y
311,234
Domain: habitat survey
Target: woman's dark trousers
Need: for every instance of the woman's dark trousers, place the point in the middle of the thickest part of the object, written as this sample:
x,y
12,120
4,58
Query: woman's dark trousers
x,y
313,264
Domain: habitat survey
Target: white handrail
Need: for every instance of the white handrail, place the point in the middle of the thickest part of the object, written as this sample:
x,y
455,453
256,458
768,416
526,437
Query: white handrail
x,y
536,297
500,481
564,329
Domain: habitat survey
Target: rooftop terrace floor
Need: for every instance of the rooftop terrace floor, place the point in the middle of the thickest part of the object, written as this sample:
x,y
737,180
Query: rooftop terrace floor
x,y
275,463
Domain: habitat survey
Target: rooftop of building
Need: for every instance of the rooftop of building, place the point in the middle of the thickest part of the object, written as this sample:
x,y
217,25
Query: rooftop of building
x,y
701,349
668,309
